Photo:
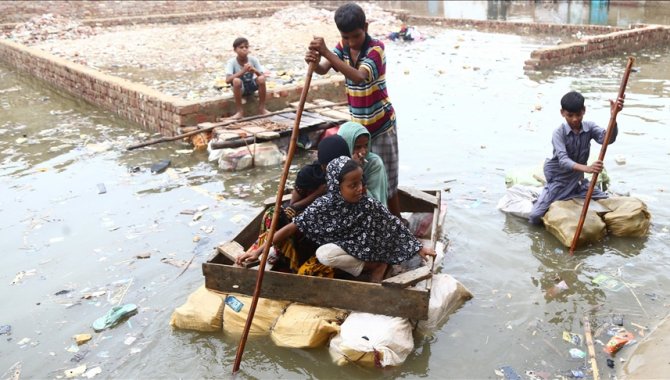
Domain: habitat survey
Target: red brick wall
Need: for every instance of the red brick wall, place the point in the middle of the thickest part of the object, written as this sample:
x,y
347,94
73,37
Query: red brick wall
x,y
141,104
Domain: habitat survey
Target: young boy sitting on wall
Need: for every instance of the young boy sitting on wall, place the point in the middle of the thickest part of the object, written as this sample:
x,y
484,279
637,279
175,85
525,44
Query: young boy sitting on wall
x,y
240,72
564,171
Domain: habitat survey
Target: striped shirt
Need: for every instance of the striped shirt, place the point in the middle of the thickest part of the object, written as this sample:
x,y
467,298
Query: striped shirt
x,y
369,102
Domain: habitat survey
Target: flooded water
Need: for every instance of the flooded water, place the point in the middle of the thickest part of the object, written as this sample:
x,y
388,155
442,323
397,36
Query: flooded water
x,y
466,114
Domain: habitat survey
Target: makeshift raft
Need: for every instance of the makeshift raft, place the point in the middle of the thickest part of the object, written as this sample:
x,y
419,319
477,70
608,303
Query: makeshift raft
x,y
393,297
322,114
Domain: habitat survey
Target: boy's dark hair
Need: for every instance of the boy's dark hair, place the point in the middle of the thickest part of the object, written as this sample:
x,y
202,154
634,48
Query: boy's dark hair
x,y
239,41
349,166
573,101
349,17
309,177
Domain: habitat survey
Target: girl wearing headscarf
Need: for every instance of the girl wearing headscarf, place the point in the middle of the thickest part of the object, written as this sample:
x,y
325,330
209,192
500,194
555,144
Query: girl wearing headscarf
x,y
356,233
359,141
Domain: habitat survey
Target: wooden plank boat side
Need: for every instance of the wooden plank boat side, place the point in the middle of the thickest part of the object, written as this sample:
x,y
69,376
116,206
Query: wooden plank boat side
x,y
319,291
222,276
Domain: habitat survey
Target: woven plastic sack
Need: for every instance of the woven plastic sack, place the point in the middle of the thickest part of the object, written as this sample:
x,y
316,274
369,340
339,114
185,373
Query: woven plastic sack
x,y
446,295
518,200
303,326
561,221
201,312
372,340
245,157
629,216
267,312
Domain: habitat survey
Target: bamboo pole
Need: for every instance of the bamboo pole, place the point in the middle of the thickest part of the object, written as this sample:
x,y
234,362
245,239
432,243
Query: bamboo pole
x,y
589,344
275,217
223,124
601,157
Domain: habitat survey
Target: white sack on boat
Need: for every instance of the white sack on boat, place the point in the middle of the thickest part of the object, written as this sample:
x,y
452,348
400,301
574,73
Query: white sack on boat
x,y
446,295
629,216
518,200
372,340
263,154
303,326
201,312
267,312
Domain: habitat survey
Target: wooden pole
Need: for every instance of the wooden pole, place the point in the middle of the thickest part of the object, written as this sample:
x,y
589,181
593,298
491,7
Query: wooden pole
x,y
275,217
589,345
601,157
223,124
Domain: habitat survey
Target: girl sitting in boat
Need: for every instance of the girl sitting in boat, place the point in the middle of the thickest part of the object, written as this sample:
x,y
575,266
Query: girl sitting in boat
x,y
358,139
355,232
296,254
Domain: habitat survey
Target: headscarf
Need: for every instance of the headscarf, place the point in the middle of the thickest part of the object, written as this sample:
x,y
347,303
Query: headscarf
x,y
330,148
376,180
365,230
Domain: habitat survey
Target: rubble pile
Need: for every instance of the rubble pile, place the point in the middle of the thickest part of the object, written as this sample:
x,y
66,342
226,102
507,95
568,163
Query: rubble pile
x,y
49,27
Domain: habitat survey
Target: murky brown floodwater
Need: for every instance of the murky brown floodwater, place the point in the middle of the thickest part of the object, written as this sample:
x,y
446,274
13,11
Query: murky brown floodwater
x,y
466,114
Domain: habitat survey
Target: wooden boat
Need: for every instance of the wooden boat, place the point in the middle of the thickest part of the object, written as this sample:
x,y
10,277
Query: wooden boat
x,y
393,297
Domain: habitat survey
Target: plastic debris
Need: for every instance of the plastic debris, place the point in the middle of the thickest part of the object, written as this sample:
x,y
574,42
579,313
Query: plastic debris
x,y
610,363
508,373
23,341
576,353
75,372
101,188
5,330
608,282
160,166
82,338
91,373
617,341
577,374
143,255
573,338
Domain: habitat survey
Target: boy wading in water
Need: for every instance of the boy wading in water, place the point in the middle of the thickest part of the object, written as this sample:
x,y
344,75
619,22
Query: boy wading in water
x,y
240,72
564,171
362,61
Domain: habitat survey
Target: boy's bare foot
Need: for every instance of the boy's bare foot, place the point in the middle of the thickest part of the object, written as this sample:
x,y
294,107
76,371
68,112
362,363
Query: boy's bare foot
x,y
238,115
263,111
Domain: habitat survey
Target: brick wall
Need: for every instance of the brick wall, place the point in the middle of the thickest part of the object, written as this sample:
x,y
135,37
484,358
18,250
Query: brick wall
x,y
141,104
514,27
599,46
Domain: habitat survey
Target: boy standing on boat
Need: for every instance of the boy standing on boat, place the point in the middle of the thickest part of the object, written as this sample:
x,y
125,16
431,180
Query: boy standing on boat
x,y
362,61
564,171
240,72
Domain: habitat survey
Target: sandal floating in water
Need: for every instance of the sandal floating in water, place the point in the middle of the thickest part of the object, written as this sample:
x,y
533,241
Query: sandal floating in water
x,y
114,316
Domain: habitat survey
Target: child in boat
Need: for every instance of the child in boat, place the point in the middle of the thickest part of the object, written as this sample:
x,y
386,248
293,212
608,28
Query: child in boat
x,y
355,232
361,59
564,171
296,253
358,140
240,72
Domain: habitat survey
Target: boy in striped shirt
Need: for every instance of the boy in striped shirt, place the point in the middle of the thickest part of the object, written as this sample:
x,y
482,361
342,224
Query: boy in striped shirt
x,y
362,61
